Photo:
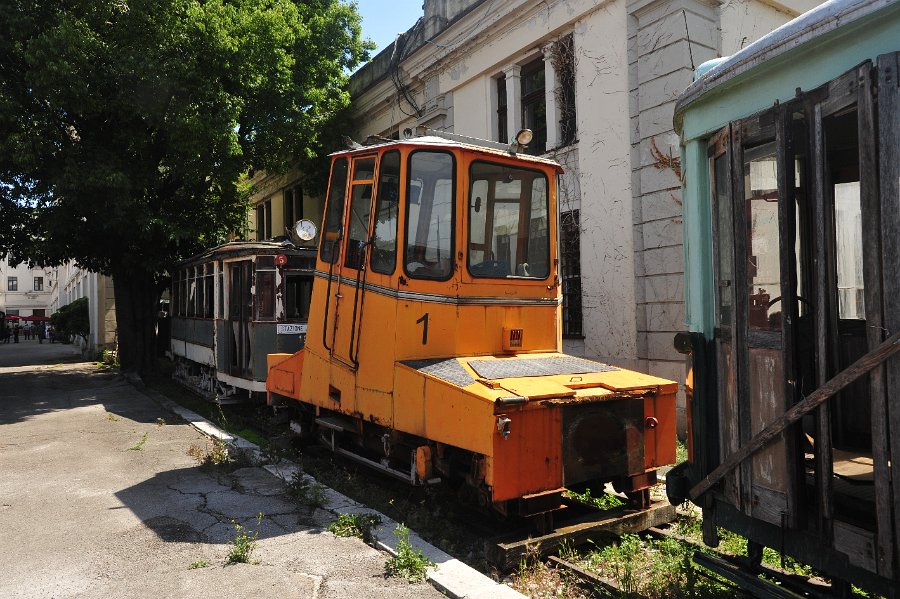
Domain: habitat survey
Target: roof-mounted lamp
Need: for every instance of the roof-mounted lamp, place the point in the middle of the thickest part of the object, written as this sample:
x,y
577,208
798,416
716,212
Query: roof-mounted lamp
x,y
523,138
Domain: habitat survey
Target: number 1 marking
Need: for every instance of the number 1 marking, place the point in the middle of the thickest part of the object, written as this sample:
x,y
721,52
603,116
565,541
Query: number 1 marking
x,y
424,321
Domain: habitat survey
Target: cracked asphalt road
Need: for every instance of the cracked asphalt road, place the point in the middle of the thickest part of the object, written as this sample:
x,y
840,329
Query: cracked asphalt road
x,y
82,514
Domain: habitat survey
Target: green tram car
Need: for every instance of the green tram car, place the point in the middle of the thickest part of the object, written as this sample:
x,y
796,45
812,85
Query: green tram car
x,y
231,307
791,195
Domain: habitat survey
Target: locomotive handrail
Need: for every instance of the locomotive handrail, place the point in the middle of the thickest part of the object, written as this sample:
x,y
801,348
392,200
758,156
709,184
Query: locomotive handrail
x,y
362,273
333,258
885,350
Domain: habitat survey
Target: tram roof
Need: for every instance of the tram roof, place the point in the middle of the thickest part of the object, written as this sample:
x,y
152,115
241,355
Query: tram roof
x,y
496,149
240,248
821,20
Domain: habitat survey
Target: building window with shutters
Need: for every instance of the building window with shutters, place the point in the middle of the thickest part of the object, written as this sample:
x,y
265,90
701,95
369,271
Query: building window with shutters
x,y
534,105
570,268
264,220
39,283
12,284
502,133
293,205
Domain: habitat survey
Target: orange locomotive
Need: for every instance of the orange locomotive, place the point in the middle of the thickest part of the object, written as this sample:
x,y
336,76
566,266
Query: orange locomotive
x,y
434,342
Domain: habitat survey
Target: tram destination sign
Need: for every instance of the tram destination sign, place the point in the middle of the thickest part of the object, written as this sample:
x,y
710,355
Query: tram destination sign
x,y
291,329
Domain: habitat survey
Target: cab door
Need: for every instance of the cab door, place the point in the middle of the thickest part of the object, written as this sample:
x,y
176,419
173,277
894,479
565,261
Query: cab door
x,y
349,286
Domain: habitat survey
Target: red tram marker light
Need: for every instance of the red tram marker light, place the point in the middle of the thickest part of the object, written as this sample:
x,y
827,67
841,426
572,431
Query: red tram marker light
x,y
281,259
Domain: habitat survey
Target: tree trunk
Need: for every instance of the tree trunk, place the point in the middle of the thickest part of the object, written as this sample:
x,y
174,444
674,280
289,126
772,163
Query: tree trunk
x,y
137,304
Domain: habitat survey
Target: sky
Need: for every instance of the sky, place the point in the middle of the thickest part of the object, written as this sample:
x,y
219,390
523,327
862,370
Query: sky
x,y
384,19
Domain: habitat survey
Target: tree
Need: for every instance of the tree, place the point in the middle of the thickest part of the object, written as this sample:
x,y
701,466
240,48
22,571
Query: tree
x,y
73,319
127,129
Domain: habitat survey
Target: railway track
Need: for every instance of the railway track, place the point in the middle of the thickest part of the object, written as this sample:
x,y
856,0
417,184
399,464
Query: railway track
x,y
742,574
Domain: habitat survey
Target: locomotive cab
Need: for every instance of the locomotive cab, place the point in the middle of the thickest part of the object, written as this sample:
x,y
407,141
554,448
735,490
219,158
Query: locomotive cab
x,y
434,344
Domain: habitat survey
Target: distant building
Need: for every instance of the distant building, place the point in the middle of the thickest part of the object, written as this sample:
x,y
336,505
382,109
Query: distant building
x,y
26,290
74,283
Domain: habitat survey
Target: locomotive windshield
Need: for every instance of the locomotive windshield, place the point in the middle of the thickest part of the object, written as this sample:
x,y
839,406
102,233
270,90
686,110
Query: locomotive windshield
x,y
509,233
429,219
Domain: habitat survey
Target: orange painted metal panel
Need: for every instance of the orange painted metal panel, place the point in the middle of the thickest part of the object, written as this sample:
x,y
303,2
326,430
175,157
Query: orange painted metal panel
x,y
284,374
659,442
458,418
529,460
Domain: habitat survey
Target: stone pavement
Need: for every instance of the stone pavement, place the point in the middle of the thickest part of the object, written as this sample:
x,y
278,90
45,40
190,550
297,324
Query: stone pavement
x,y
89,510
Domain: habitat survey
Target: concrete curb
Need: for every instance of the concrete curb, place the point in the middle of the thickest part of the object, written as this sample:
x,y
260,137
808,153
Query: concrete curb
x,y
451,576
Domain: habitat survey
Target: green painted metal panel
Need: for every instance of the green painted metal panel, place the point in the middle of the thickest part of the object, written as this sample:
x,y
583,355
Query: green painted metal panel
x,y
806,68
698,247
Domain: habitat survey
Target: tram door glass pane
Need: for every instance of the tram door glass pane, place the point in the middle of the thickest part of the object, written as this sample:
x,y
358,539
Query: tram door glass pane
x,y
725,240
265,288
331,230
360,207
509,233
298,293
429,218
763,259
384,252
849,251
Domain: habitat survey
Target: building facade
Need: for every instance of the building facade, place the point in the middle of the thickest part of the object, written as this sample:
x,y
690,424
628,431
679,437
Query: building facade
x,y
26,290
74,283
596,82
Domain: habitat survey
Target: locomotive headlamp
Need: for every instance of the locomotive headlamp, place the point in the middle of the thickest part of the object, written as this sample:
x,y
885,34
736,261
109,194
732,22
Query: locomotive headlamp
x,y
524,137
305,230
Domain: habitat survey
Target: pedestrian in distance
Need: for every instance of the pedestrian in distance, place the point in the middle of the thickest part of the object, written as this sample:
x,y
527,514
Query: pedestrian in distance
x,y
27,330
40,333
16,334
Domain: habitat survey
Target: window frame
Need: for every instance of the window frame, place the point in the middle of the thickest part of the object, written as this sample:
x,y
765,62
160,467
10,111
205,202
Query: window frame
x,y
534,98
453,200
12,284
531,205
400,199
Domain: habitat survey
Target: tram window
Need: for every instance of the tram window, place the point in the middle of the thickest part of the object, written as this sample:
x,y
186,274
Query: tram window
x,y
208,292
364,169
360,208
334,212
725,237
221,313
192,292
265,294
201,289
509,231
298,293
429,221
763,257
851,290
387,203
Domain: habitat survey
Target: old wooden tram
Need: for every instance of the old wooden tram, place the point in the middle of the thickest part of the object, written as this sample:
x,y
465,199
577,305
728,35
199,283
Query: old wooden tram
x,y
791,162
231,307
434,335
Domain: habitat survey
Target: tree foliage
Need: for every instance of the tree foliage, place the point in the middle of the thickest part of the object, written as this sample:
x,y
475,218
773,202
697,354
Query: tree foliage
x,y
73,319
127,128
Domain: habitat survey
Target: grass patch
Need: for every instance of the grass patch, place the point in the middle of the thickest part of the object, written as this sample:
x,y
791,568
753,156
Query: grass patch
x,y
244,543
112,417
198,564
355,525
536,579
409,563
214,454
604,501
306,491
139,446
681,452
